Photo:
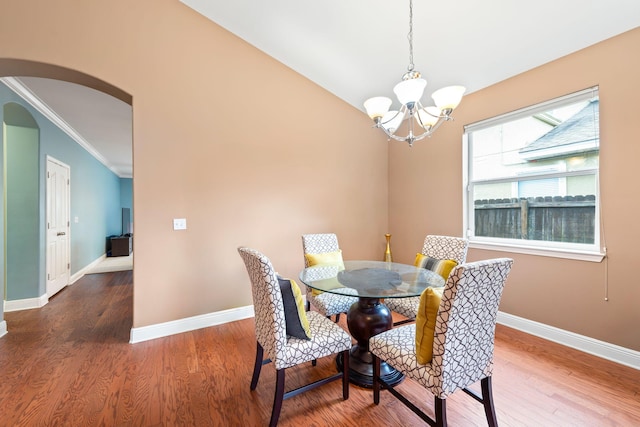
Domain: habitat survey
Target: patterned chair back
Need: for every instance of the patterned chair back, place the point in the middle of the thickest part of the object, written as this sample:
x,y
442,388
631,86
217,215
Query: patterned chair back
x,y
318,244
446,247
270,325
465,327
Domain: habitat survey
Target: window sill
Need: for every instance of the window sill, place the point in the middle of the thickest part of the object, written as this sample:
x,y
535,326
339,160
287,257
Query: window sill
x,y
590,256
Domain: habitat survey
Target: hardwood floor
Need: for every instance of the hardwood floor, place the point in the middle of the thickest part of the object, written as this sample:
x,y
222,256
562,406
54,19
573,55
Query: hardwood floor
x,y
70,364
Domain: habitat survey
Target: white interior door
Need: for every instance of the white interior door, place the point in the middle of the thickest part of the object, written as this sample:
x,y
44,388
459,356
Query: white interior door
x,y
58,226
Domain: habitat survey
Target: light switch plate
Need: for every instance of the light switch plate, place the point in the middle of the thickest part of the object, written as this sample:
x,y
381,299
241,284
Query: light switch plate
x,y
179,223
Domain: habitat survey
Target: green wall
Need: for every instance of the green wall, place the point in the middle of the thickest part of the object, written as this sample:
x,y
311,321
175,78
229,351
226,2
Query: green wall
x,y
22,211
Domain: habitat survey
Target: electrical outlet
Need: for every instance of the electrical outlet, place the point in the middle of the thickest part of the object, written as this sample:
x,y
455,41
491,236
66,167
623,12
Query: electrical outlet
x,y
179,223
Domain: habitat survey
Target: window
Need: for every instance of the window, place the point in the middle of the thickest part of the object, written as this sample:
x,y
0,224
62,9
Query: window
x,y
532,179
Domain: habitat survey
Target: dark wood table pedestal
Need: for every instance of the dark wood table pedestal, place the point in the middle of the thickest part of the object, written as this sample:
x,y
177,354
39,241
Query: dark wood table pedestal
x,y
370,281
366,318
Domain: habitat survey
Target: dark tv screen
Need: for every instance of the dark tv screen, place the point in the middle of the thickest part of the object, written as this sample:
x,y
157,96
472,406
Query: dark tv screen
x,y
126,221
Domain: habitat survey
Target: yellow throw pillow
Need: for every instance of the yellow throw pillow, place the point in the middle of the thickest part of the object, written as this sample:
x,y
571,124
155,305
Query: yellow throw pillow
x,y
295,316
426,324
440,266
325,258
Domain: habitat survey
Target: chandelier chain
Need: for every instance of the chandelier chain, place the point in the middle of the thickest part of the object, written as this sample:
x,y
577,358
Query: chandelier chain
x,y
410,36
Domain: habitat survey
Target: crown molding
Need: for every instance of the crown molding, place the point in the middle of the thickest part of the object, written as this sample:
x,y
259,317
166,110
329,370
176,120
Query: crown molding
x,y
32,99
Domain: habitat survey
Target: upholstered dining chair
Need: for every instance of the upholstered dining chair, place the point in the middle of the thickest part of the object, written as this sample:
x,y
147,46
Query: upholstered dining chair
x,y
437,247
463,341
315,247
322,336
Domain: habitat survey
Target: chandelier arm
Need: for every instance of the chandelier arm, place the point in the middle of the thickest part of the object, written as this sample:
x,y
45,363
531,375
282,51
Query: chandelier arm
x,y
392,118
410,137
432,129
389,134
398,138
419,108
445,114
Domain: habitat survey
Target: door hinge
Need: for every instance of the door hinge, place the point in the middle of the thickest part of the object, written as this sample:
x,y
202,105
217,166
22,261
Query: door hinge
x,y
48,174
48,276
68,266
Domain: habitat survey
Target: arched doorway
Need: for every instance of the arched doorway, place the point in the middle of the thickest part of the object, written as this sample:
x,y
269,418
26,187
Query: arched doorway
x,y
12,67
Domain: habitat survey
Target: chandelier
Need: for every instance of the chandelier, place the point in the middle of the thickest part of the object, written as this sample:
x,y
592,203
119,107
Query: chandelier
x,y
409,91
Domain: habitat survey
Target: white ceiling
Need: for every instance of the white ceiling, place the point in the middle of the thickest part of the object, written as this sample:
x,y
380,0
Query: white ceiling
x,y
356,49
97,121
359,48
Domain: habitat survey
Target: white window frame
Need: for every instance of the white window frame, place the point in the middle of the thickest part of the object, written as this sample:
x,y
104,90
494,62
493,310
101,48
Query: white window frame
x,y
586,252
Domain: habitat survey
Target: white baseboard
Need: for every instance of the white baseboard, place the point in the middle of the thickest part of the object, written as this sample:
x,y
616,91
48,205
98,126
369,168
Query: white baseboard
x,y
189,324
41,301
78,275
602,349
3,328
598,348
26,304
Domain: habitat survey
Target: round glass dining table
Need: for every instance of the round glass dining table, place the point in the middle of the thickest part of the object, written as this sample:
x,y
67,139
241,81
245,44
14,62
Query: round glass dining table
x,y
370,282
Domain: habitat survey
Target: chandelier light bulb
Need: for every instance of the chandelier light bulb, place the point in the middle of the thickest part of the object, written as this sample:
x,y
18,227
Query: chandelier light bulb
x,y
410,91
428,117
448,98
377,106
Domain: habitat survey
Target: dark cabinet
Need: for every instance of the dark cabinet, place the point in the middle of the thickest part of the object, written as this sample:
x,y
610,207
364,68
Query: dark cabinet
x,y
121,245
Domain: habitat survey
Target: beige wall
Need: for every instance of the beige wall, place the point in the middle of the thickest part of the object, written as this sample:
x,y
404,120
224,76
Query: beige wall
x,y
245,149
425,190
253,154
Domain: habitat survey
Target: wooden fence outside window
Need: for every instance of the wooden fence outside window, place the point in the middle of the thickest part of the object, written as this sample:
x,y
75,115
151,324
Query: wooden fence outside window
x,y
569,219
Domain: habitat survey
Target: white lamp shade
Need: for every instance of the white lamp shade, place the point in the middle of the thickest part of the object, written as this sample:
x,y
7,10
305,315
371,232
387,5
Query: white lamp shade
x,y
448,97
377,106
410,90
392,121
428,116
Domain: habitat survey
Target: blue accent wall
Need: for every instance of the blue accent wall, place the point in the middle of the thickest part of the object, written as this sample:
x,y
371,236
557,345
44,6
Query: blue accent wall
x,y
95,196
126,193
126,196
